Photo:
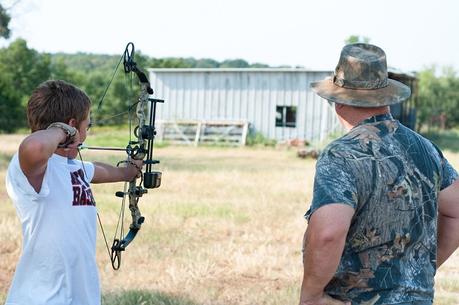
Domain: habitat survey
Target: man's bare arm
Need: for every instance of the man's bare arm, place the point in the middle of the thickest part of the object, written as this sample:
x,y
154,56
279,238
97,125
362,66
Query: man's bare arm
x,y
448,222
324,244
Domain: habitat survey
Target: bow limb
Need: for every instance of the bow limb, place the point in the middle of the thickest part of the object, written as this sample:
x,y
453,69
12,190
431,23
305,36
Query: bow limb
x,y
134,193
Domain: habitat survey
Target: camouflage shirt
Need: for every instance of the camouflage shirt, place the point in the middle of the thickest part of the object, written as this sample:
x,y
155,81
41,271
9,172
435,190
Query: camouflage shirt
x,y
391,176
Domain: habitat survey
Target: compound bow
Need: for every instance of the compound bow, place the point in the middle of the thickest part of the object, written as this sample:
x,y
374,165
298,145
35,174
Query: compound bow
x,y
139,149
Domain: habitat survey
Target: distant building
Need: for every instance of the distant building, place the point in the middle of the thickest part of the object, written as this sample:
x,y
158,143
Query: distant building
x,y
278,103
406,112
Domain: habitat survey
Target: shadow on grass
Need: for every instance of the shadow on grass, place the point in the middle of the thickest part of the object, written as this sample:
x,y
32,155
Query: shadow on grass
x,y
137,297
445,139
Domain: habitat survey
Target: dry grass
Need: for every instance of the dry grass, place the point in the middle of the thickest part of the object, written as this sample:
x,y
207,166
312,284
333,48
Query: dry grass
x,y
225,227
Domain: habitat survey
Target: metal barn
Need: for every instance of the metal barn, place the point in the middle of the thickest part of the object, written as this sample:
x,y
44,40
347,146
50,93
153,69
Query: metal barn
x,y
275,102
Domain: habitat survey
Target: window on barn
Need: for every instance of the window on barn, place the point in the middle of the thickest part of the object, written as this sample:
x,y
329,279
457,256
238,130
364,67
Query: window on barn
x,y
285,116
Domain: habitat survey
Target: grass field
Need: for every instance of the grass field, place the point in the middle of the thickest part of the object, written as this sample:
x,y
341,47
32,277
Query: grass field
x,y
225,227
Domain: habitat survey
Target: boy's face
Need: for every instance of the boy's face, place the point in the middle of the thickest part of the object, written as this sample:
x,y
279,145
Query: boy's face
x,y
83,128
72,153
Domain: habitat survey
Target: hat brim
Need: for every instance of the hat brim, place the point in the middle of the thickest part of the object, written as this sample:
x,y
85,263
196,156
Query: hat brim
x,y
394,93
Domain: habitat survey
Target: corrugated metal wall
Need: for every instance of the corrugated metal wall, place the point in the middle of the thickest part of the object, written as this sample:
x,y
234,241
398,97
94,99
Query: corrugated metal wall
x,y
246,94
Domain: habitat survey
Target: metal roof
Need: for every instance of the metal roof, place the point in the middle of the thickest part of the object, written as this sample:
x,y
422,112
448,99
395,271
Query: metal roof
x,y
257,70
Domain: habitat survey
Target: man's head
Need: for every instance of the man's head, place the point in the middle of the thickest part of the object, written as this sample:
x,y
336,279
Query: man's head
x,y
57,101
361,79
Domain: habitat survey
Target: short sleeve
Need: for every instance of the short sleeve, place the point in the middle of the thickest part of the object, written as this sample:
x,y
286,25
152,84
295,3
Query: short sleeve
x,y
89,170
333,183
19,186
448,174
87,167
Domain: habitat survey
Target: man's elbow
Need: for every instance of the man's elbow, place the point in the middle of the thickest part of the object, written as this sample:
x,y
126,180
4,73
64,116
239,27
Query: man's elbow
x,y
330,224
448,201
333,236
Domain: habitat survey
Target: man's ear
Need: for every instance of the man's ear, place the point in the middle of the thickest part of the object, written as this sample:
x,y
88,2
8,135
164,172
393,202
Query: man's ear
x,y
72,122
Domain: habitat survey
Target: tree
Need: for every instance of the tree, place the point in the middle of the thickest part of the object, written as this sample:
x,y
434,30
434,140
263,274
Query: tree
x,y
234,63
207,63
4,22
10,107
21,71
438,98
356,39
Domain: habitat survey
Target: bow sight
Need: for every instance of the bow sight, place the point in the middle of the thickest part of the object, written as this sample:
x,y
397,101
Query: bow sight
x,y
137,150
143,132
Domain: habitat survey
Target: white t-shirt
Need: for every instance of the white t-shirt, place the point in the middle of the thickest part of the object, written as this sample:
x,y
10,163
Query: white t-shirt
x,y
57,265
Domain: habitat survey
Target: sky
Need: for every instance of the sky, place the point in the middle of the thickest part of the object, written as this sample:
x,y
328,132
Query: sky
x,y
415,34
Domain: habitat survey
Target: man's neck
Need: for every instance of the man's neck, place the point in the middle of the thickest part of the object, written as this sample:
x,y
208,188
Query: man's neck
x,y
352,116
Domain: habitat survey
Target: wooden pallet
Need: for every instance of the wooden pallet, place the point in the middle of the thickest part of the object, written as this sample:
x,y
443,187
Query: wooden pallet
x,y
196,132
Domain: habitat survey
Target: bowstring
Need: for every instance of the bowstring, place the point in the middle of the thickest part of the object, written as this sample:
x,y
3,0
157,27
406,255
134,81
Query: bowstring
x,y
97,210
123,58
109,83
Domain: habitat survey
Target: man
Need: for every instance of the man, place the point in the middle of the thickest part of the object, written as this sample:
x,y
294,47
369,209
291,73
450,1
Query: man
x,y
52,196
385,208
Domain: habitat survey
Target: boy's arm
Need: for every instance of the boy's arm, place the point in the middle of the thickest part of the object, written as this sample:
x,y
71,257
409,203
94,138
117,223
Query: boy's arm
x,y
448,222
34,152
107,173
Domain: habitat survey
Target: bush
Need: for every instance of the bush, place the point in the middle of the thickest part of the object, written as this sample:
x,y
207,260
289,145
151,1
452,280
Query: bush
x,y
258,139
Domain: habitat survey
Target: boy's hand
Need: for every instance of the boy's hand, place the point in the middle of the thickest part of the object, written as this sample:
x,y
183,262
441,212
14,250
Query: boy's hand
x,y
134,169
75,141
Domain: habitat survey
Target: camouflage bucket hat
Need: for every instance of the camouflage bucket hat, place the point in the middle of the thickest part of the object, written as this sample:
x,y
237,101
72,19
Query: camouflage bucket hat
x,y
361,79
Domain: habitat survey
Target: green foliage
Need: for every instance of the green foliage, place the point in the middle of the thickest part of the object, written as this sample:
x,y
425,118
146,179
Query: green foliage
x,y
21,70
259,65
26,68
234,63
206,63
144,298
438,97
4,22
445,139
10,107
93,72
179,62
87,63
356,38
112,136
258,139
173,62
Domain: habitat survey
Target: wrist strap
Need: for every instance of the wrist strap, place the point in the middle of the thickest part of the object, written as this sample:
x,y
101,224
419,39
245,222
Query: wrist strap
x,y
69,131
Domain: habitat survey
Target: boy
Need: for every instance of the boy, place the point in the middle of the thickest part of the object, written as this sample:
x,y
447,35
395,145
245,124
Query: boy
x,y
52,196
